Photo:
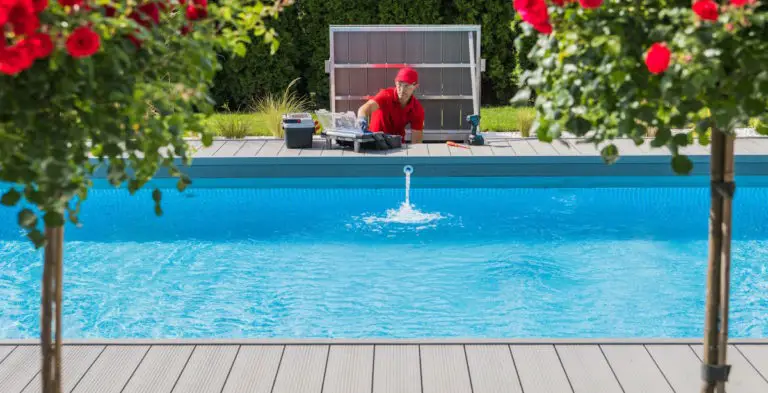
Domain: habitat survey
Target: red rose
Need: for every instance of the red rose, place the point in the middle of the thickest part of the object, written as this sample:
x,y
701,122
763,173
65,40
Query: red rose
x,y
591,3
15,59
706,9
109,11
198,9
21,14
83,42
70,3
657,58
146,14
535,13
39,45
40,5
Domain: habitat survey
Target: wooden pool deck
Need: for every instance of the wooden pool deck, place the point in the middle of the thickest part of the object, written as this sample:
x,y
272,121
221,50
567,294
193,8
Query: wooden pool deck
x,y
410,366
496,146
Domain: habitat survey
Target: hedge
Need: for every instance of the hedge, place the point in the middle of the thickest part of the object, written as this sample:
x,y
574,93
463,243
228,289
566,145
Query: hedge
x,y
303,35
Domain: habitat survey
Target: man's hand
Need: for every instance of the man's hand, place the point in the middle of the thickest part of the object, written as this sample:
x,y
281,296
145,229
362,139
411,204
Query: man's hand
x,y
362,124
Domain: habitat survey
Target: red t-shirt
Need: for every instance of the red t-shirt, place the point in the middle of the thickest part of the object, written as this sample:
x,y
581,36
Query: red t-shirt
x,y
391,118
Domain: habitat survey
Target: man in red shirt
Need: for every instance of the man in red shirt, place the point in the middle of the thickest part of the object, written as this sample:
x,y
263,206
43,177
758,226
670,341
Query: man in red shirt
x,y
395,107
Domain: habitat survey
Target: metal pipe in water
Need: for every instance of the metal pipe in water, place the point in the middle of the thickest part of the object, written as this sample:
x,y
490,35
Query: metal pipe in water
x,y
407,170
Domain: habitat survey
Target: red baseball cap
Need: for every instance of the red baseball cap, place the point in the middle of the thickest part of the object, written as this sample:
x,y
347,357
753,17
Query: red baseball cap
x,y
407,75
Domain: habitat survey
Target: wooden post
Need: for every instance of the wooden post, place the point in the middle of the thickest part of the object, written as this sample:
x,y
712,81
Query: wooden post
x,y
51,301
718,273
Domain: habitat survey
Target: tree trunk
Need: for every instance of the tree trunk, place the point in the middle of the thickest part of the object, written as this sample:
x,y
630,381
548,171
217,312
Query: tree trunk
x,y
718,273
51,297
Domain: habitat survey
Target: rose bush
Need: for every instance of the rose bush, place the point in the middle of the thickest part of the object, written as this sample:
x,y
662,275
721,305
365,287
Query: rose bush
x,y
610,69
90,85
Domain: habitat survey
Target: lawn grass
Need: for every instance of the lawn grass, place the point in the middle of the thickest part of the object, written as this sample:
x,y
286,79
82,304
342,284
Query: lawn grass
x,y
493,119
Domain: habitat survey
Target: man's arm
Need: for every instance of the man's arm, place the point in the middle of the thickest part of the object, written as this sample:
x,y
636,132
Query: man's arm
x,y
365,110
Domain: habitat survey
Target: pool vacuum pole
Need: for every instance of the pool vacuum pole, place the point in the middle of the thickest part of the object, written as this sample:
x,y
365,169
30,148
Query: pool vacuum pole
x,y
715,369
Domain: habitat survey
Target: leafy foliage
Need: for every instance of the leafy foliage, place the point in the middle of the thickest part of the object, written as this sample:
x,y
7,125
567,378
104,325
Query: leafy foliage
x,y
591,78
126,107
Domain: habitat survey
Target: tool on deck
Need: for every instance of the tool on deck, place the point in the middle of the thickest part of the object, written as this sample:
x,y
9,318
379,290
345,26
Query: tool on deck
x,y
475,138
454,144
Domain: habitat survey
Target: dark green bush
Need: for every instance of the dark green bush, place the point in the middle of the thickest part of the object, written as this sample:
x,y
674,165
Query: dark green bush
x,y
304,31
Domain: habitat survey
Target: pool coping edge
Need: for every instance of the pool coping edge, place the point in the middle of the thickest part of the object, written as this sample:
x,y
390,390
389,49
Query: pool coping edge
x,y
393,341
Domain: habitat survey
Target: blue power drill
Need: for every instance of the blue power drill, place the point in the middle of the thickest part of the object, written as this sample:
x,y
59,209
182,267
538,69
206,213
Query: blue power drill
x,y
475,138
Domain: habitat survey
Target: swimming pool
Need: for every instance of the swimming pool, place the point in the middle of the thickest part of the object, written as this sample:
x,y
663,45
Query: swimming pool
x,y
350,263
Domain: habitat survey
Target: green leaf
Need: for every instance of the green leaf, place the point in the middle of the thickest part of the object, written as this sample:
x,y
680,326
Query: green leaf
x,y
239,49
53,219
183,182
157,195
610,154
661,138
37,238
207,139
681,164
158,210
10,198
578,125
27,219
680,139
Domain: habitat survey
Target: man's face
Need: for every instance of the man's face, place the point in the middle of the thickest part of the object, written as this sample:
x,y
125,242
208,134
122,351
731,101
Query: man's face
x,y
405,90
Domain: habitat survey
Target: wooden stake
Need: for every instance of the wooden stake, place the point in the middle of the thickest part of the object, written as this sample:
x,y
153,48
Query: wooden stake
x,y
51,299
718,272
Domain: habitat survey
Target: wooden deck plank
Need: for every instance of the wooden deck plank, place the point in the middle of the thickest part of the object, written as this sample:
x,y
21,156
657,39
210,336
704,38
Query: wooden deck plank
x,y
626,147
210,150
207,369
585,149
350,369
460,151
492,370
289,152
503,148
396,369
482,151
444,369
756,145
418,150
112,369
757,355
679,365
522,148
19,368
160,369
255,369
539,369
635,369
271,148
743,377
302,369
587,369
334,151
229,149
399,152
5,350
543,148
250,148
315,151
438,150
75,361
566,147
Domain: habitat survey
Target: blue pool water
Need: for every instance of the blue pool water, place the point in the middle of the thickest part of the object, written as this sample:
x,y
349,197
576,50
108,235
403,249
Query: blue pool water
x,y
310,262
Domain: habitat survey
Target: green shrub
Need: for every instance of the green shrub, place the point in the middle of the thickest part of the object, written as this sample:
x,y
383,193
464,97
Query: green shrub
x,y
258,73
272,107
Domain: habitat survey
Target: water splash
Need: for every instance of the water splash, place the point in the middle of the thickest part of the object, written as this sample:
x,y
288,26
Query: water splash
x,y
407,213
